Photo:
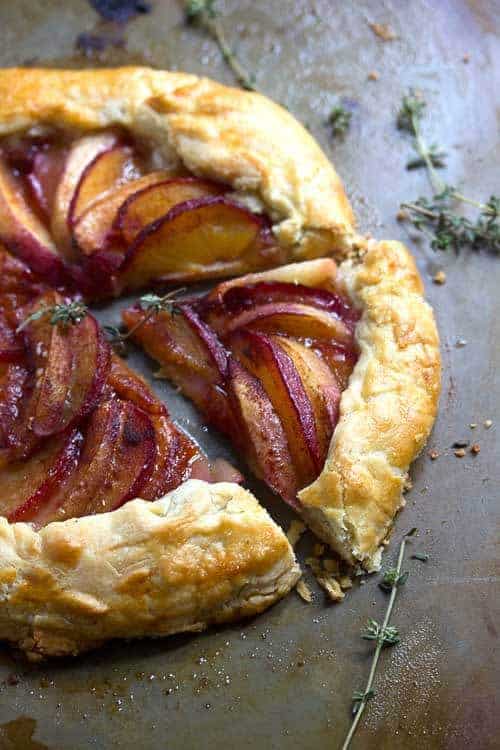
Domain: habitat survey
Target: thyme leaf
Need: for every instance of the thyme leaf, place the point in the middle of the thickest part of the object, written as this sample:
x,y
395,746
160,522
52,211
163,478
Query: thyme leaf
x,y
437,217
65,314
420,556
339,120
205,14
384,635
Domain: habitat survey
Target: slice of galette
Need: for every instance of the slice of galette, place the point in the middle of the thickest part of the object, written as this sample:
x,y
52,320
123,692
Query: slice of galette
x,y
324,377
81,435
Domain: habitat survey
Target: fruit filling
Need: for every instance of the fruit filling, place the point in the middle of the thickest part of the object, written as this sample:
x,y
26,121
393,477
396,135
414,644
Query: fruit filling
x,y
266,363
94,213
80,433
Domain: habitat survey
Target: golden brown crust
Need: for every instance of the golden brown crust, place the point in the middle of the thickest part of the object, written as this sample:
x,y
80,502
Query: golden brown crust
x,y
203,554
236,136
389,406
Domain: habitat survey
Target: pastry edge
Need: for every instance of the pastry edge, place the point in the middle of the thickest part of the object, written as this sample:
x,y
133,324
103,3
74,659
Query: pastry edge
x,y
202,555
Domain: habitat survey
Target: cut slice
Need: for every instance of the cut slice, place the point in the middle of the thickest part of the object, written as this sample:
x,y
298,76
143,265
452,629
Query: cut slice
x,y
320,385
206,233
340,359
129,386
301,321
82,153
151,203
13,385
260,435
23,233
44,177
28,485
71,364
109,169
11,347
116,460
268,362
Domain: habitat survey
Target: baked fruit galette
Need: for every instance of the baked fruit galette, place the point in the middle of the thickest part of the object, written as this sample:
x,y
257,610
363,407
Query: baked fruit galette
x,y
318,358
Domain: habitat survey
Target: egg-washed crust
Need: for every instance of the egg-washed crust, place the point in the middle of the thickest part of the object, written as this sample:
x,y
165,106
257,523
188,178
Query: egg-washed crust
x,y
389,406
234,136
204,554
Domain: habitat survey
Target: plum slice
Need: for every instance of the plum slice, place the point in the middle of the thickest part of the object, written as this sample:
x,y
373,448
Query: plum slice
x,y
151,203
108,170
206,233
16,278
340,359
268,362
129,386
116,460
301,321
260,434
11,347
23,233
44,176
28,484
71,363
320,385
82,153
13,384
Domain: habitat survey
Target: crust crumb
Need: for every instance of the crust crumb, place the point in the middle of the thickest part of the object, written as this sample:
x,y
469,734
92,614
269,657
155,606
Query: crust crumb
x,y
373,75
295,531
304,591
383,31
433,455
439,277
475,449
460,453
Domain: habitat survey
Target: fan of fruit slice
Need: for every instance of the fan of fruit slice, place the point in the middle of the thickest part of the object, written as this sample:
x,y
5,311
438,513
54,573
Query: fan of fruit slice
x,y
80,433
266,363
88,214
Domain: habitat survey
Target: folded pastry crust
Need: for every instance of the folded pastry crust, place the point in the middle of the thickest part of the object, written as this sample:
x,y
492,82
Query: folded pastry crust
x,y
203,554
389,406
235,136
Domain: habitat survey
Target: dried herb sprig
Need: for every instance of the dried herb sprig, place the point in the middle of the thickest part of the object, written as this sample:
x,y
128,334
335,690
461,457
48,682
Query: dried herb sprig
x,y
65,314
339,120
384,635
151,304
204,13
437,217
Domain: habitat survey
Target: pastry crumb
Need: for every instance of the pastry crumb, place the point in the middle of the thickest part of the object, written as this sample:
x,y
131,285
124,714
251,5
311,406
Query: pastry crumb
x,y
304,591
345,582
439,277
460,453
383,31
373,75
473,425
295,531
488,423
475,449
407,485
401,215
466,58
433,455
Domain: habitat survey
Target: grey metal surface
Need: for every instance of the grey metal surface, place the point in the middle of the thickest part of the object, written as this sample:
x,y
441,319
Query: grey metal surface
x,y
285,680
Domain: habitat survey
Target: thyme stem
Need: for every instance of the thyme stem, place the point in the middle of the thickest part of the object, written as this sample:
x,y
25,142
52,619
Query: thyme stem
x,y
368,691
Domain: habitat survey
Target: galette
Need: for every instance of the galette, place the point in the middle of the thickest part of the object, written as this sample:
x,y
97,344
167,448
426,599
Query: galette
x,y
317,356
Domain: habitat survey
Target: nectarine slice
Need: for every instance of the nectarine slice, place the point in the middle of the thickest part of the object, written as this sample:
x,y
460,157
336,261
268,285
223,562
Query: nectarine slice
x,y
207,232
276,370
82,153
151,203
260,434
23,233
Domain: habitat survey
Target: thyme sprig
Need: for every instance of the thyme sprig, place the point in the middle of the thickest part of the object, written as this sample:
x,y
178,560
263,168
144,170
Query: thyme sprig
x,y
151,304
383,634
437,217
65,314
205,14
339,120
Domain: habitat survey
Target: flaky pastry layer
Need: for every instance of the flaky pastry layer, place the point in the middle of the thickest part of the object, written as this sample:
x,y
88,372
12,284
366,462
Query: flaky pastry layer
x,y
203,554
234,136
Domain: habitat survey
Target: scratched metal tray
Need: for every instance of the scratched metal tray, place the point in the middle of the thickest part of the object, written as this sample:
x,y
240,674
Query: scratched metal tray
x,y
285,680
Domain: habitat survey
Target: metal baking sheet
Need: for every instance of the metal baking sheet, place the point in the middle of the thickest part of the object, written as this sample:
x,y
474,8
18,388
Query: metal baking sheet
x,y
285,679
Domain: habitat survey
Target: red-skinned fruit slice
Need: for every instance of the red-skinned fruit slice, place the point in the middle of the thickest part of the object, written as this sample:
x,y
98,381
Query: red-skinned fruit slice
x,y
190,355
301,321
191,237
106,172
27,485
82,153
129,386
11,347
175,455
22,232
116,460
320,385
153,202
341,360
239,298
71,364
44,177
260,435
16,278
268,362
13,383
